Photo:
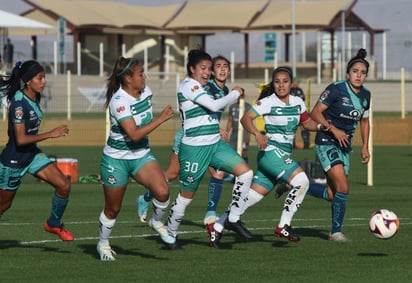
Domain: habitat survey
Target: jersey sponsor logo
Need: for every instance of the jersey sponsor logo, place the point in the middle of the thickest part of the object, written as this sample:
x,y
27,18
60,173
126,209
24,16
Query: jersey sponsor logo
x,y
32,115
195,88
18,113
353,115
324,95
120,109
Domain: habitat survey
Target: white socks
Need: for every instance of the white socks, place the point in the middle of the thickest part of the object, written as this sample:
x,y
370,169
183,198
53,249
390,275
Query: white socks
x,y
177,211
105,228
159,209
300,185
239,195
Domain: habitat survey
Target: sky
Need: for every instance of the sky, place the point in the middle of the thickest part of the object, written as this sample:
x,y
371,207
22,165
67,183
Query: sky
x,y
394,17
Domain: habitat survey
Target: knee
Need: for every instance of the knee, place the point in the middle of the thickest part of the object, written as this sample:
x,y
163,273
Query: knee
x,y
161,193
63,190
112,211
248,174
300,180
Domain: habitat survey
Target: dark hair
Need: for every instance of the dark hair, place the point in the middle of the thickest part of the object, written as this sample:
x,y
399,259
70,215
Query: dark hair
x,y
216,58
269,88
194,57
220,57
122,67
360,57
21,72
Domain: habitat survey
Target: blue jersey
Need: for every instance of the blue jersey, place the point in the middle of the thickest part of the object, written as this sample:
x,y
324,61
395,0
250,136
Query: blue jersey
x,y
216,92
345,109
22,110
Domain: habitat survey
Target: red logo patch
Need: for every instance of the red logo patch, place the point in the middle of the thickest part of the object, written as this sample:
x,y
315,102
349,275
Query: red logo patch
x,y
120,109
18,113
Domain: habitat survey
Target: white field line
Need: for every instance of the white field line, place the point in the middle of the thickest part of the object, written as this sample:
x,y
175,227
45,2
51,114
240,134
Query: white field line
x,y
360,222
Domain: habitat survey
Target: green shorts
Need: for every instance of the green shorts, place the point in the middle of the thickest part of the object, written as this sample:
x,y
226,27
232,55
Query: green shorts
x,y
273,166
11,178
195,160
116,172
330,155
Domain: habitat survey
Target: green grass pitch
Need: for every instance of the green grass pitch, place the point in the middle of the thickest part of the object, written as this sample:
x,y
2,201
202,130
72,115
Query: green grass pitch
x,y
28,254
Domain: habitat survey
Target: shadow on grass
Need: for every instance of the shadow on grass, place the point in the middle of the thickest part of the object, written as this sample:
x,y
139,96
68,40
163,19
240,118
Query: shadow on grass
x,y
372,254
314,233
11,244
92,251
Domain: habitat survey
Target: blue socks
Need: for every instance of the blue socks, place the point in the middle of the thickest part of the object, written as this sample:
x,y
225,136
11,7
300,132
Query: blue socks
x,y
338,211
147,196
318,191
214,191
58,206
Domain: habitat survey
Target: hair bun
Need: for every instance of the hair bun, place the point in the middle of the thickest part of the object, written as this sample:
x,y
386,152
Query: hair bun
x,y
361,53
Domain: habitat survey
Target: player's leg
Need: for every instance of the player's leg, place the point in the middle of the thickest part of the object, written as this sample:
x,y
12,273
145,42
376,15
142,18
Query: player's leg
x,y
214,192
45,169
339,180
113,196
196,160
228,160
8,189
299,184
337,167
150,175
171,173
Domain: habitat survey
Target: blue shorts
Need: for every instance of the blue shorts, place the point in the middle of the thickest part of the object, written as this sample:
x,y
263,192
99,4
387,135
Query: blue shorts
x,y
330,155
273,165
11,178
116,172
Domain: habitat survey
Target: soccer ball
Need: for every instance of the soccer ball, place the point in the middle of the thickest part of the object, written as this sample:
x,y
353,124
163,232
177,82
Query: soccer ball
x,y
384,224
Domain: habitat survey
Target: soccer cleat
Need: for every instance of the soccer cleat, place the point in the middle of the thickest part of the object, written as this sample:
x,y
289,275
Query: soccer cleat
x,y
173,247
339,237
214,236
61,232
142,207
161,229
229,178
106,253
281,189
210,217
239,229
288,233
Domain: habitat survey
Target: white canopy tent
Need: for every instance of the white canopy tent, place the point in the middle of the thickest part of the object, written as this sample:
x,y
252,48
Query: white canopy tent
x,y
9,20
18,25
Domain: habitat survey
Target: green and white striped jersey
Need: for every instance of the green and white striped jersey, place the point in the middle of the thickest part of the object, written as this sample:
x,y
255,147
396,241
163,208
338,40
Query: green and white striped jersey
x,y
124,106
281,120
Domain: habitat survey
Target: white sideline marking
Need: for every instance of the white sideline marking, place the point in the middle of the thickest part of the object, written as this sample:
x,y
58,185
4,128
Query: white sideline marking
x,y
402,220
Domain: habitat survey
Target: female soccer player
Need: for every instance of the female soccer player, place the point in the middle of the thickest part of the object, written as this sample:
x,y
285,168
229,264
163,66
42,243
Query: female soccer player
x,y
22,154
216,86
202,145
342,104
127,152
283,113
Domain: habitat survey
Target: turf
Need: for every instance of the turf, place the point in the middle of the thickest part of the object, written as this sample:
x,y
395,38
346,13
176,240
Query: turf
x,y
29,253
